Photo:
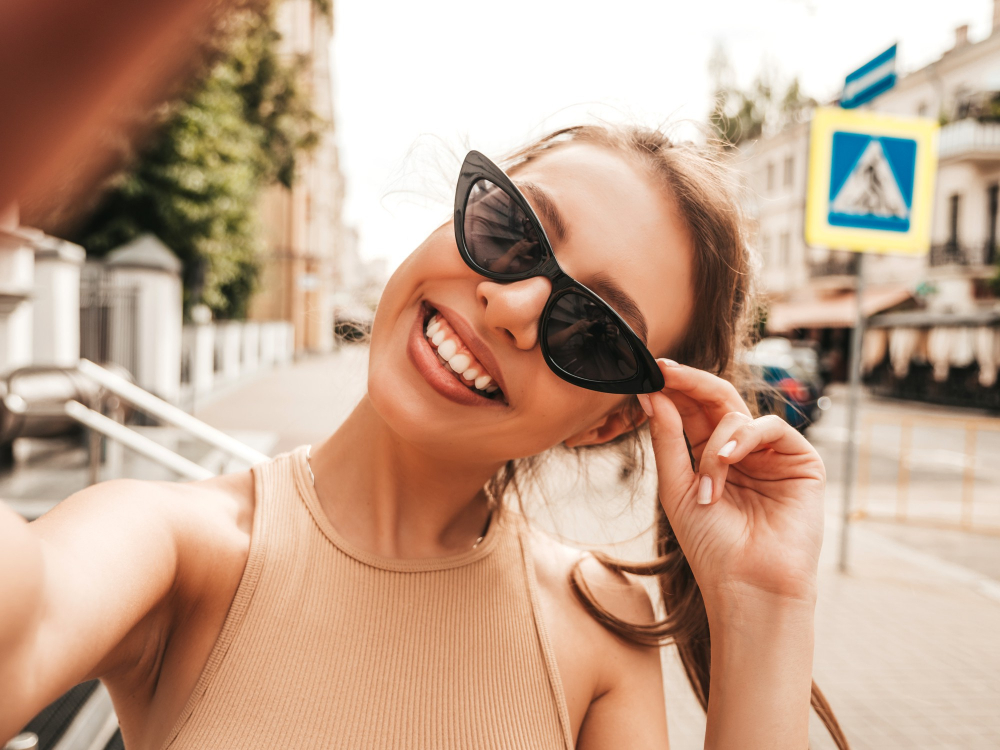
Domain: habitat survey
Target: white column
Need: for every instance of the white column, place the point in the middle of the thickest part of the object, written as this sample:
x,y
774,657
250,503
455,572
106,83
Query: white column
x,y
251,347
228,343
17,267
56,326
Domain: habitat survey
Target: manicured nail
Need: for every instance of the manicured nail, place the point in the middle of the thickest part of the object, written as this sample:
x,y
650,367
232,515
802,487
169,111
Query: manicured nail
x,y
667,362
645,403
727,450
705,490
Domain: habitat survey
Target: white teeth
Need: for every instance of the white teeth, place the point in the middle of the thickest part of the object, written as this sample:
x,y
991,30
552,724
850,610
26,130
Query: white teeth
x,y
447,348
460,362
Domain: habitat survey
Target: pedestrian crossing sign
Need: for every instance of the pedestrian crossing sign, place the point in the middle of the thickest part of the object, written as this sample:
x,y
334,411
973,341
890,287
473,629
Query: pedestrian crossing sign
x,y
871,182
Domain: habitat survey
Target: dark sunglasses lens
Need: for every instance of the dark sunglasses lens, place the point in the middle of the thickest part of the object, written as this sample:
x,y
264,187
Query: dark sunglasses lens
x,y
584,340
499,236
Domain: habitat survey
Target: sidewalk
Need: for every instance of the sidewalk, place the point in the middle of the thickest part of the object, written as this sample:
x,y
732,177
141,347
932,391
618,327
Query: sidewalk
x,y
907,647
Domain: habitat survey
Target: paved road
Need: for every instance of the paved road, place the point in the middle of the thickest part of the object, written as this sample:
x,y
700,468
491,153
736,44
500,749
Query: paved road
x,y
906,647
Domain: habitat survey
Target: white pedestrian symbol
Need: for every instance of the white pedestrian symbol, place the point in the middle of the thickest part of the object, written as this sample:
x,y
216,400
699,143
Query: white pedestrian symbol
x,y
871,188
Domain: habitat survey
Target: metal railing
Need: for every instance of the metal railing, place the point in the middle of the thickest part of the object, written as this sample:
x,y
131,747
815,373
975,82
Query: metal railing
x,y
837,264
955,254
926,474
970,139
156,407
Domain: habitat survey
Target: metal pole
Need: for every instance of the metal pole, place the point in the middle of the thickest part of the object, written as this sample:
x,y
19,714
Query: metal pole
x,y
853,397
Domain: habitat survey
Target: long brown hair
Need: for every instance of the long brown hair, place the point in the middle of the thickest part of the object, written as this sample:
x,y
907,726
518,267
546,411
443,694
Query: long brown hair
x,y
725,317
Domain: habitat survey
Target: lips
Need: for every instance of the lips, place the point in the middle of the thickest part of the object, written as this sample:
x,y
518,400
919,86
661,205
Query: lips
x,y
440,377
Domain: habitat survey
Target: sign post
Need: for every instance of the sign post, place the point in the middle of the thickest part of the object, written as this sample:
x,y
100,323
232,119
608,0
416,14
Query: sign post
x,y
871,183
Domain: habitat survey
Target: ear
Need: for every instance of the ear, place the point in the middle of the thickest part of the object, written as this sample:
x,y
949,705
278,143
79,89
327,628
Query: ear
x,y
608,427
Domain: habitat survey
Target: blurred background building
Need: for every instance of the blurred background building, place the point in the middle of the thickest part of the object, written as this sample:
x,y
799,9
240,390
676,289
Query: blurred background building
x,y
942,342
190,271
310,267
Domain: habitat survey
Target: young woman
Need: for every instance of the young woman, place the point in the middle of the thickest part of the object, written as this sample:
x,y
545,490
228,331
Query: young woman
x,y
379,591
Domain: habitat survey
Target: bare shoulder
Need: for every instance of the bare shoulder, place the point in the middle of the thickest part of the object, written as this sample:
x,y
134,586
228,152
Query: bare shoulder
x,y
623,597
600,671
613,686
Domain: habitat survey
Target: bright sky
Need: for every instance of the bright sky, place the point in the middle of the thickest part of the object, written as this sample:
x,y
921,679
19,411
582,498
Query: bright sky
x,y
418,83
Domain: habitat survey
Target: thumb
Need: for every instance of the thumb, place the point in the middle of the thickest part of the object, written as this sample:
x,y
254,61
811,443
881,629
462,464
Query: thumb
x,y
670,447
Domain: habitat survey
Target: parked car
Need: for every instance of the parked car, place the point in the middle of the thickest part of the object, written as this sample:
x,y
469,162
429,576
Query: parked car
x,y
792,386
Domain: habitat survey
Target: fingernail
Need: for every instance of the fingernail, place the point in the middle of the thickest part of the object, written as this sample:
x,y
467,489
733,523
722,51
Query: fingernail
x,y
667,362
645,403
727,450
705,490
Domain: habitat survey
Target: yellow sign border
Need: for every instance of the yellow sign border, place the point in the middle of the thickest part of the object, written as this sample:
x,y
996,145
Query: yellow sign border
x,y
826,121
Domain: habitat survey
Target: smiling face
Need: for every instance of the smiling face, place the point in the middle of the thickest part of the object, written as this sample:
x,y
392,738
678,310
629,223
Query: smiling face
x,y
619,226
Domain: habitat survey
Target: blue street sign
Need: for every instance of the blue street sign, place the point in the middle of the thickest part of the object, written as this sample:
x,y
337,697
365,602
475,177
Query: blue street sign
x,y
871,79
871,181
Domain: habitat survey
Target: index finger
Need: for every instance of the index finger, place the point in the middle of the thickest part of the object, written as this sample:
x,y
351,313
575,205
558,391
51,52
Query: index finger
x,y
717,396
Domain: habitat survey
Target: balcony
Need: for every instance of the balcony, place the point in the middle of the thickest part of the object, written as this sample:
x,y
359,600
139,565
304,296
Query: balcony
x,y
968,256
970,140
837,263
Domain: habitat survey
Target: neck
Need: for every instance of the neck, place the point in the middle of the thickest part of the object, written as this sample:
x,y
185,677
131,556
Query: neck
x,y
391,498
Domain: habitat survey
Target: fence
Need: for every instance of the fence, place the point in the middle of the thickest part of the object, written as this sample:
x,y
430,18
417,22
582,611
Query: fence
x,y
216,354
109,315
925,457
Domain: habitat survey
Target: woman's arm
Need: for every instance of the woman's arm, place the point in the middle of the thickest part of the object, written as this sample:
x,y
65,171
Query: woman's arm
x,y
73,584
762,658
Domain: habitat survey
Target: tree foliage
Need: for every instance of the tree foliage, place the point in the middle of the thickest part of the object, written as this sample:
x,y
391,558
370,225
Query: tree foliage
x,y
740,115
196,183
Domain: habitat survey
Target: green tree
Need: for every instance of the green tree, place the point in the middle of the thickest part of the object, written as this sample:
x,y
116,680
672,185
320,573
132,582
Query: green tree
x,y
197,181
740,115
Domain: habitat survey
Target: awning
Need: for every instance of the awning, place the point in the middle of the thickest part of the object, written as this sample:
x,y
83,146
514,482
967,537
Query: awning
x,y
835,310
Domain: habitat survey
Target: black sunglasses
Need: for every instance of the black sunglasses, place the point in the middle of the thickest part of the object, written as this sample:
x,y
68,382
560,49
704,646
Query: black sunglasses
x,y
583,340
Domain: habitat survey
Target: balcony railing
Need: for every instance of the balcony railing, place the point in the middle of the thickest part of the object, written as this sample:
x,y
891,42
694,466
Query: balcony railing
x,y
970,139
836,264
955,254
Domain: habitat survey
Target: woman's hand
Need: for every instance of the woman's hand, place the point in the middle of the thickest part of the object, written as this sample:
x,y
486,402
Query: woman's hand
x,y
750,521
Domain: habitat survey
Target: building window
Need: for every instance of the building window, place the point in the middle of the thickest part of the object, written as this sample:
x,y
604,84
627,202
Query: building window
x,y
993,199
770,176
765,248
789,175
954,205
784,249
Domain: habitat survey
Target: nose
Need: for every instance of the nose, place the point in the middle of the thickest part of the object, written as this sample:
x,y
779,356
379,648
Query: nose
x,y
513,309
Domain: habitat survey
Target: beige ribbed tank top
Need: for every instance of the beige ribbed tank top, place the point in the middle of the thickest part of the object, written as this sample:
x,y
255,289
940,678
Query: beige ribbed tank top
x,y
329,646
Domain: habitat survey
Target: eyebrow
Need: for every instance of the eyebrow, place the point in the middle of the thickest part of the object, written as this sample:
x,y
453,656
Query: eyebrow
x,y
547,208
619,299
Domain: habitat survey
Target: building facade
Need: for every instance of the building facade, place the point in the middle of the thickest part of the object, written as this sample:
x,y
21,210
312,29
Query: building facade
x,y
811,289
302,226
